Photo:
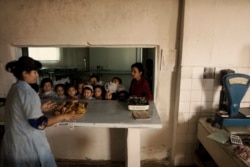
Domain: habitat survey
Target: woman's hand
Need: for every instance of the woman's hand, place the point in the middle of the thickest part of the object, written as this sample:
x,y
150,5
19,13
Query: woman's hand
x,y
72,116
48,106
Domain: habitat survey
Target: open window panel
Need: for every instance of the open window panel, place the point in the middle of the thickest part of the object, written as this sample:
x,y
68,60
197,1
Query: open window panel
x,y
79,63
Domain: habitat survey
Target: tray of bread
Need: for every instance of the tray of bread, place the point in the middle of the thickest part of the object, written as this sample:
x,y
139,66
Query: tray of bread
x,y
79,107
138,103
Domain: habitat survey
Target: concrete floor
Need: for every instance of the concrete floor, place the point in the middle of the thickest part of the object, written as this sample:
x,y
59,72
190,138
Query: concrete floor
x,y
89,163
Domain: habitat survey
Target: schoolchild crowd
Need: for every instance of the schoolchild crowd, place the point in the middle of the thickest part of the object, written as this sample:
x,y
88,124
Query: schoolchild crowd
x,y
95,89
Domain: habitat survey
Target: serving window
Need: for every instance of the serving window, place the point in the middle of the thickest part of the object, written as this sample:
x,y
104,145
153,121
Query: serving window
x,y
78,63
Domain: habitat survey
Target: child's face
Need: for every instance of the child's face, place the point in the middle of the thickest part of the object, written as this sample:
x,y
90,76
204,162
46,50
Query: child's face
x,y
115,81
108,95
47,87
98,92
87,93
93,81
71,91
60,91
80,88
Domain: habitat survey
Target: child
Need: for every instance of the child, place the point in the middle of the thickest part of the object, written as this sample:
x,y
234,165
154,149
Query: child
x,y
111,89
95,80
88,92
121,92
110,96
99,92
80,86
47,89
72,93
118,82
60,91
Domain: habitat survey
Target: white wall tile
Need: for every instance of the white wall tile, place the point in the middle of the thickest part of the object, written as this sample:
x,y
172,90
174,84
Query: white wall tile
x,y
196,84
186,72
185,84
207,96
206,106
215,105
217,72
244,104
184,106
242,70
234,69
185,95
195,95
208,84
194,117
195,106
217,85
183,117
198,72
216,97
246,98
198,98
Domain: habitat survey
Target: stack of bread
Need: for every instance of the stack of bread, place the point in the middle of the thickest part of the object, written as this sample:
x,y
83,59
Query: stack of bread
x,y
76,106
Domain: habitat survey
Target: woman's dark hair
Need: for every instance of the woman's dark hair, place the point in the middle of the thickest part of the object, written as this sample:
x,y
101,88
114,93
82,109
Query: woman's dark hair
x,y
35,86
45,80
24,63
139,66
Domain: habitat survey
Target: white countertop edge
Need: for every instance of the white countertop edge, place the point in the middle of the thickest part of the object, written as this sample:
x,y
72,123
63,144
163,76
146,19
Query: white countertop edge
x,y
105,125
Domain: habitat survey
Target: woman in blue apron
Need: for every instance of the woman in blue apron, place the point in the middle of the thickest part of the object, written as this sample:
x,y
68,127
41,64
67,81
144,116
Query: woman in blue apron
x,y
24,143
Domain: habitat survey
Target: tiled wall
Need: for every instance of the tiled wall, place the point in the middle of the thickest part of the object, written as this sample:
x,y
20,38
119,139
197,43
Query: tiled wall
x,y
199,97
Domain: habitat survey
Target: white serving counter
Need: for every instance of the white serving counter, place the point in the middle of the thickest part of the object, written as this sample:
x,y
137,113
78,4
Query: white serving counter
x,y
115,114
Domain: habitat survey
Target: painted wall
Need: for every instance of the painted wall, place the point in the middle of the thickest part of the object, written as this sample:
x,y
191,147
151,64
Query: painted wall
x,y
216,34
104,23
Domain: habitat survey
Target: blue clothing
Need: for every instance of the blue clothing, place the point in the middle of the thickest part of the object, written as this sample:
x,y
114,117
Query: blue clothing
x,y
23,145
39,123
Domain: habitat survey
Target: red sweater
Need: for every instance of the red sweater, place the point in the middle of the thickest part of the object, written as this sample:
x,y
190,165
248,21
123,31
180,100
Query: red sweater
x,y
140,89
